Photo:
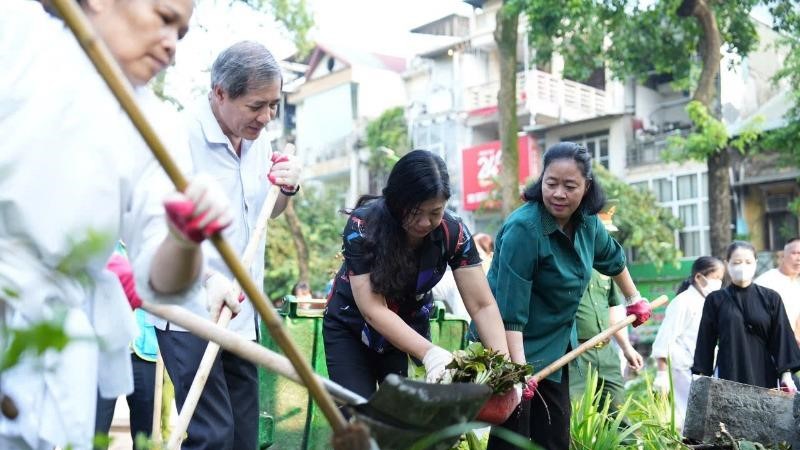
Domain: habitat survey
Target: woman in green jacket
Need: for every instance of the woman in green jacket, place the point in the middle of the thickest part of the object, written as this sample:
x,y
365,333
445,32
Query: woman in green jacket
x,y
543,260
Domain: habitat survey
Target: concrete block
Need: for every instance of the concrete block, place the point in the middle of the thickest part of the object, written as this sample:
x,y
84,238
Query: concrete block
x,y
749,412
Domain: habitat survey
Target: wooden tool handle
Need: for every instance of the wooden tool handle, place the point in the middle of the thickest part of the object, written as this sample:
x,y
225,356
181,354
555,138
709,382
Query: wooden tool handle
x,y
602,336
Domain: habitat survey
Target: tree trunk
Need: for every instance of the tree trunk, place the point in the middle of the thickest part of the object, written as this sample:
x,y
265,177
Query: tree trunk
x,y
299,241
719,185
719,202
505,35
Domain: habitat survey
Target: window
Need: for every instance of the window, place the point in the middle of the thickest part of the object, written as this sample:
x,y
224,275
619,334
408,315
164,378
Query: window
x,y
781,224
662,189
685,195
687,187
595,143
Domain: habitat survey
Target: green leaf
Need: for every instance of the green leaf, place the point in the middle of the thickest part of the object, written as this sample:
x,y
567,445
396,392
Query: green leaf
x,y
36,339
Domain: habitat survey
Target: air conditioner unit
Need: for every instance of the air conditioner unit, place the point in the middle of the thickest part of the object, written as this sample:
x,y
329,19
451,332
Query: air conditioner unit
x,y
778,202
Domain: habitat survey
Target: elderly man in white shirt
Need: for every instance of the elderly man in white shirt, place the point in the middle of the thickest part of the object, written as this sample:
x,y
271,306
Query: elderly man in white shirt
x,y
785,280
226,141
75,177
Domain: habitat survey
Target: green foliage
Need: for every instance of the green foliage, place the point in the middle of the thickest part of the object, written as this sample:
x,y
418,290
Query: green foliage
x,y
36,339
452,431
656,414
709,136
644,38
593,425
322,226
479,365
81,252
643,225
387,139
158,84
294,16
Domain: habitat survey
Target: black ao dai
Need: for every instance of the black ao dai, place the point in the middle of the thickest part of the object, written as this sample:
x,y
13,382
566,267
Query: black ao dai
x,y
755,340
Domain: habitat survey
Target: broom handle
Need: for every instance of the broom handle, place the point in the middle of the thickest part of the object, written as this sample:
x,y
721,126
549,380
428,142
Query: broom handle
x,y
157,399
251,351
602,336
112,74
225,316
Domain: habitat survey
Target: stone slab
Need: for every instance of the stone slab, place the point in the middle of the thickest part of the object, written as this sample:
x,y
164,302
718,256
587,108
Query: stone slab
x,y
749,412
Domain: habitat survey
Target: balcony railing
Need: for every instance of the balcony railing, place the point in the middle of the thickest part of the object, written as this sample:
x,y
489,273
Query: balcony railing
x,y
543,94
483,96
647,149
563,99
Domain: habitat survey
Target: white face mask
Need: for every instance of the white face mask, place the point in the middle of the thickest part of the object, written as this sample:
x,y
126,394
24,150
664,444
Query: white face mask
x,y
741,273
712,284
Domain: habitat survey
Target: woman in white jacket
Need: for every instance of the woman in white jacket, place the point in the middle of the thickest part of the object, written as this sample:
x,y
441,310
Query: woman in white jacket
x,y
75,178
677,335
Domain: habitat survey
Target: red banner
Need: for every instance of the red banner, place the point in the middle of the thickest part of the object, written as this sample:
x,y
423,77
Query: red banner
x,y
481,166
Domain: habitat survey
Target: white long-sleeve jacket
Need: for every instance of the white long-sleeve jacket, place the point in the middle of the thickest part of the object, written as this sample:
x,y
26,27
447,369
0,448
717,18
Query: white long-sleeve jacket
x,y
75,177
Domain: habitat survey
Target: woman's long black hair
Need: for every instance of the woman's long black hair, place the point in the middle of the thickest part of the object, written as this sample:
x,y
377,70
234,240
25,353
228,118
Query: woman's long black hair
x,y
594,198
417,177
703,265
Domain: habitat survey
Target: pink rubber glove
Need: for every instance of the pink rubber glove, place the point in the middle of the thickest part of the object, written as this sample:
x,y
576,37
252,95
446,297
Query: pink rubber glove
x,y
641,309
199,212
285,172
122,268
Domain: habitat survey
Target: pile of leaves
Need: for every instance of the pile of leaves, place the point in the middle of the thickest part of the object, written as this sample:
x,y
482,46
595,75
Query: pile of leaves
x,y
479,365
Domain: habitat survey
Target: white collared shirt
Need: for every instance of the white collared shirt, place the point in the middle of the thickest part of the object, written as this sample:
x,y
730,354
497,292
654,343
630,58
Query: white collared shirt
x,y
244,180
75,177
788,289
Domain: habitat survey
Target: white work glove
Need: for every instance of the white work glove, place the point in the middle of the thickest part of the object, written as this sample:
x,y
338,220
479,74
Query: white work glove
x,y
202,210
219,291
635,360
661,382
787,383
285,171
435,360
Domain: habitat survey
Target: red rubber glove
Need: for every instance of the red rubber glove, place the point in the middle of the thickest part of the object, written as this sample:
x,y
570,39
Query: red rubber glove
x,y
202,211
122,268
641,309
530,389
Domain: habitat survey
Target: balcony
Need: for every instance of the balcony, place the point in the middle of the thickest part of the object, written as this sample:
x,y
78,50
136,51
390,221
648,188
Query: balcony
x,y
483,97
542,94
565,100
647,148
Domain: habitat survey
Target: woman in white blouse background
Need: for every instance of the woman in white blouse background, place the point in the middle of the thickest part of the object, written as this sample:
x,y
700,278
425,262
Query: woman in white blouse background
x,y
677,334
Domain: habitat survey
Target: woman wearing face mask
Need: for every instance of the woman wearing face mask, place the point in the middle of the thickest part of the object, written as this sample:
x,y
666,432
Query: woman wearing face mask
x,y
677,334
749,325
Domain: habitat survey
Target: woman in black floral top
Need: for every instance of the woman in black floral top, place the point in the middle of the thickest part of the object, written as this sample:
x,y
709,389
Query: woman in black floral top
x,y
396,248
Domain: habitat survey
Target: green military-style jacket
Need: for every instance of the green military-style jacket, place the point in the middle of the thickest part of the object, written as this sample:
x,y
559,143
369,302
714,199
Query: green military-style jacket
x,y
592,316
538,276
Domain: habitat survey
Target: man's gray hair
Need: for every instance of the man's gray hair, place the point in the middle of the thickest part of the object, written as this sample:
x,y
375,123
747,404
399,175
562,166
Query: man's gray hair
x,y
244,66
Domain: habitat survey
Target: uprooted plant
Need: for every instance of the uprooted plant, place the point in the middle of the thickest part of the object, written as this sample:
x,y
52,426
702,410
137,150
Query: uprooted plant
x,y
480,365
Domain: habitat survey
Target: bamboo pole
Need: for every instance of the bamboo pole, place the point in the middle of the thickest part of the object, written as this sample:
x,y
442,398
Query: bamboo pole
x,y
157,399
602,336
102,59
210,355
